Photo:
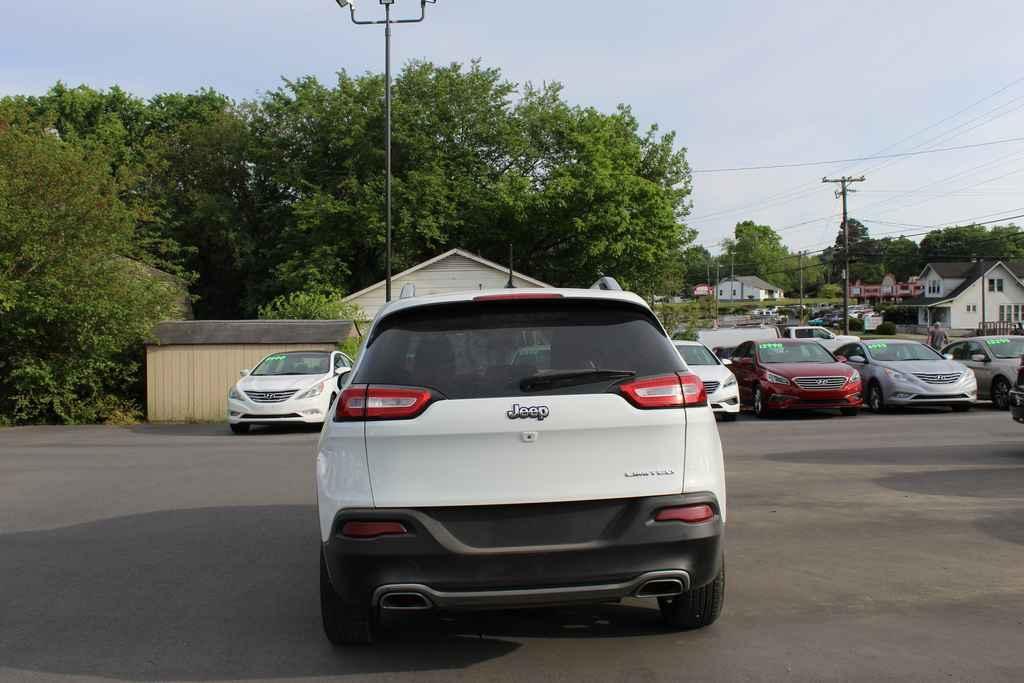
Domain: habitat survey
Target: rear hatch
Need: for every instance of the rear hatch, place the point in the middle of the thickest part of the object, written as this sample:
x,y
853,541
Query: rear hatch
x,y
524,402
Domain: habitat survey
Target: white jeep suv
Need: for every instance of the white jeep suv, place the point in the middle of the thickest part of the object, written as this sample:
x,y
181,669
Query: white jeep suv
x,y
515,448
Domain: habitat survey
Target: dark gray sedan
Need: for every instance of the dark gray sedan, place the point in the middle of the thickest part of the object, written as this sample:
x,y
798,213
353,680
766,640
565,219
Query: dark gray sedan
x,y
994,361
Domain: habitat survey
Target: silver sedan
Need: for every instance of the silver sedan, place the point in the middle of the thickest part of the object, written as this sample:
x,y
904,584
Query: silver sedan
x,y
898,372
994,360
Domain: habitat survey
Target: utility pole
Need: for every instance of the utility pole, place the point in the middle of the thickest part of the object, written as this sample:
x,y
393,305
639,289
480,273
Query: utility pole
x,y
387,22
844,183
802,288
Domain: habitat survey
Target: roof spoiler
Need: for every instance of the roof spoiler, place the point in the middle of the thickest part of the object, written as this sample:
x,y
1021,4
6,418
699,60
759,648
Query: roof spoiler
x,y
607,282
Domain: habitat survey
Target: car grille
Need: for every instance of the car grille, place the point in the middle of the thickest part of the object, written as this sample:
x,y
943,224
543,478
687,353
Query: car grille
x,y
934,378
711,387
270,396
819,383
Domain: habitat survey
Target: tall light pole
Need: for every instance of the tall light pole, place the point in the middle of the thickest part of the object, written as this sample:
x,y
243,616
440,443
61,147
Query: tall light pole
x,y
387,21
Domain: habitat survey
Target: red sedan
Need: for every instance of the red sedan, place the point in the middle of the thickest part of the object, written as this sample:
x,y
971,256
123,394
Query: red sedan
x,y
794,375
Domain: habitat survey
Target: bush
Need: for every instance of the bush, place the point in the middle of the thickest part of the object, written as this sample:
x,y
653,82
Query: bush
x,y
856,325
830,291
322,304
75,307
886,328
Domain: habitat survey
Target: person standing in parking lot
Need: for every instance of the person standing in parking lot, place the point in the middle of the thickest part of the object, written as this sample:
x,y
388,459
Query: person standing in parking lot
x,y
937,336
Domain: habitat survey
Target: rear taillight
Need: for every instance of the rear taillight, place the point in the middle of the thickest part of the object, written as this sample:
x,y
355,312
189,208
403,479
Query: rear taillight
x,y
372,529
371,402
666,391
691,514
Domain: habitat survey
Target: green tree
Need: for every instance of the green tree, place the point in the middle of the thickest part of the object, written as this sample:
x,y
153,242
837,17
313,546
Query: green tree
x,y
901,256
312,305
963,242
758,250
75,303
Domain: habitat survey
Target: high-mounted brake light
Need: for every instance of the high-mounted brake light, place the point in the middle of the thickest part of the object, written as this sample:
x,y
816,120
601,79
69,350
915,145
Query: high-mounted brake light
x,y
372,402
666,391
521,296
691,514
373,529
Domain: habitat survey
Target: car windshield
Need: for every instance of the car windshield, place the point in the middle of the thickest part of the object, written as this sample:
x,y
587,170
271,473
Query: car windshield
x,y
1003,347
298,363
777,352
884,351
696,355
515,348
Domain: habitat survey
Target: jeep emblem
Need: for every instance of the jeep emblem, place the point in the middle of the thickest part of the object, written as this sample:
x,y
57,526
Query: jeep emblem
x,y
519,412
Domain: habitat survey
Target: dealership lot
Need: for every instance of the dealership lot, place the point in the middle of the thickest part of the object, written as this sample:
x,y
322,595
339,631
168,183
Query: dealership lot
x,y
868,548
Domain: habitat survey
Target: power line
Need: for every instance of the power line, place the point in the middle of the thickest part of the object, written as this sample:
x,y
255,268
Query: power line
x,y
898,155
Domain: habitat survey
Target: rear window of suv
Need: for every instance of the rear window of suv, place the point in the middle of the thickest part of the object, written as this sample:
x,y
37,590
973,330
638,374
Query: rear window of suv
x,y
486,349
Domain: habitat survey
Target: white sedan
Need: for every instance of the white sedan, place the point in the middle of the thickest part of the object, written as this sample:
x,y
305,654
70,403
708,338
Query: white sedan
x,y
719,382
292,387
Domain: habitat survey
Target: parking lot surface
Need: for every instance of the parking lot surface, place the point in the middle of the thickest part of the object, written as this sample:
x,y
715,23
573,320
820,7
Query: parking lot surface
x,y
871,548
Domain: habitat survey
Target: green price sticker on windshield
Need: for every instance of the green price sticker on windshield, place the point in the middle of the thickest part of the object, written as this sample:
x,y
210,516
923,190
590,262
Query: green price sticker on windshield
x,y
995,342
281,357
770,347
878,346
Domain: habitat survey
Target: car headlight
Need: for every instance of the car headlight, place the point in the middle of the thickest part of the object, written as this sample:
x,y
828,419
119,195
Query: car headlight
x,y
776,379
854,378
234,394
896,375
313,391
730,381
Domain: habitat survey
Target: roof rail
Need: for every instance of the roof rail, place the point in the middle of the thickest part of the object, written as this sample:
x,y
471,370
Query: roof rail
x,y
607,282
408,291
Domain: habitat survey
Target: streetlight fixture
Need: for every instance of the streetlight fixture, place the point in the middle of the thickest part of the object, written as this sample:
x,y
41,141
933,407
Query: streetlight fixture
x,y
387,21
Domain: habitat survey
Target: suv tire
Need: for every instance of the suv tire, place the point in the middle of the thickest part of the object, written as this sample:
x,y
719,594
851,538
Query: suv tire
x,y
240,429
696,608
343,624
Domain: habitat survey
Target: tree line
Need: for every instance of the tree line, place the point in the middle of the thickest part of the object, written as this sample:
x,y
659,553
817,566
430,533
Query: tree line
x,y
274,205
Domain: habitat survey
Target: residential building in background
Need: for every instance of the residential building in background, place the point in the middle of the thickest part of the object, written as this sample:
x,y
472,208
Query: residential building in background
x,y
453,271
961,295
747,288
886,291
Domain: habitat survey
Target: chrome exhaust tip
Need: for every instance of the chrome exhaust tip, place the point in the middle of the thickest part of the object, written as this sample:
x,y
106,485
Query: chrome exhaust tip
x,y
659,588
405,601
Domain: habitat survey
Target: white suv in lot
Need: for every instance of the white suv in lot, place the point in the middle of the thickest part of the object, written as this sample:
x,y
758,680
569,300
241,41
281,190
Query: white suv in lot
x,y
516,448
289,387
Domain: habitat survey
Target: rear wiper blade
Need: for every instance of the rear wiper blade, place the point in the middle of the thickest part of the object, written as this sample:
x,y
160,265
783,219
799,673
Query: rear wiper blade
x,y
567,378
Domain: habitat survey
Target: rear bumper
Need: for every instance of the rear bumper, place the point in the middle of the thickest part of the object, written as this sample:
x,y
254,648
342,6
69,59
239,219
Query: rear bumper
x,y
435,561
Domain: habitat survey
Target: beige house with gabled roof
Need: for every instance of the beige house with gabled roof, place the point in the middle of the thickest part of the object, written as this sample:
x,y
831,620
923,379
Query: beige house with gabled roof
x,y
455,270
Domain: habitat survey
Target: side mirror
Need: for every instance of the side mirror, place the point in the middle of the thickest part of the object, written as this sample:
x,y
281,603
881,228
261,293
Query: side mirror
x,y
343,378
947,356
340,369
858,359
726,361
842,359
979,358
245,373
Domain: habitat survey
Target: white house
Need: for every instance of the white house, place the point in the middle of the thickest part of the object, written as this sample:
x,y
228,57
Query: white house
x,y
452,271
964,294
747,288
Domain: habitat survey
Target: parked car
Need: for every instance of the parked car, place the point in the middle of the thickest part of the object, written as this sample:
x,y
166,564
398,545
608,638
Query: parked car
x,y
724,352
450,478
899,372
289,387
994,361
826,338
794,375
719,382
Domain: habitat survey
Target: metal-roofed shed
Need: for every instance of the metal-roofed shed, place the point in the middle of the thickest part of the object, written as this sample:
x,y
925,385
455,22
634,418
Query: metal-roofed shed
x,y
191,365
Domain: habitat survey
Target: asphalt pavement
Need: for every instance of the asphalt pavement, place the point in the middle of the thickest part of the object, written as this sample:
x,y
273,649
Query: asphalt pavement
x,y
870,548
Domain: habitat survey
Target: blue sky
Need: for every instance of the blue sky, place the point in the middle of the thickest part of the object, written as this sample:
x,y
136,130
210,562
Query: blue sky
x,y
741,83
